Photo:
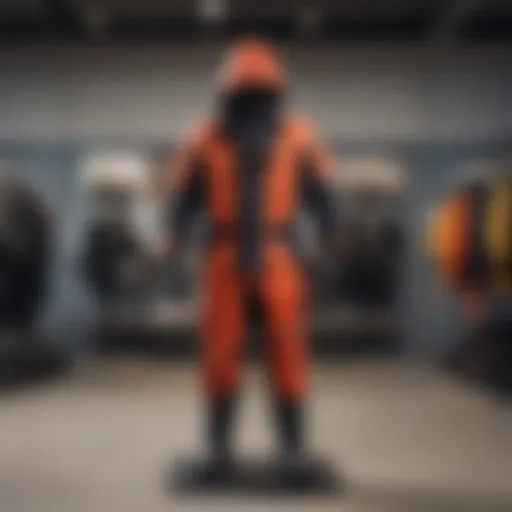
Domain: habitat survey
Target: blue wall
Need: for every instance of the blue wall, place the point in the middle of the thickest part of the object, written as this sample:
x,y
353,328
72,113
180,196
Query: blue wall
x,y
430,325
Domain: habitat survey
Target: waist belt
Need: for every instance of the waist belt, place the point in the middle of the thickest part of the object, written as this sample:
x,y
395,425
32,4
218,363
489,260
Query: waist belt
x,y
228,233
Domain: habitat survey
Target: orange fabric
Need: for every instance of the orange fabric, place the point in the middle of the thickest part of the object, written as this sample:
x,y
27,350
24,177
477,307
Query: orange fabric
x,y
280,187
251,63
280,284
282,289
453,238
224,324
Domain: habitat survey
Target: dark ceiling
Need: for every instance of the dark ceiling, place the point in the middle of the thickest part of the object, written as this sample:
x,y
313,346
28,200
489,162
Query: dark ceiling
x,y
37,21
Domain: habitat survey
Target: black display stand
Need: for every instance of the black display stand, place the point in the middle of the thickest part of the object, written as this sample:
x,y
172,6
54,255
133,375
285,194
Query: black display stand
x,y
194,476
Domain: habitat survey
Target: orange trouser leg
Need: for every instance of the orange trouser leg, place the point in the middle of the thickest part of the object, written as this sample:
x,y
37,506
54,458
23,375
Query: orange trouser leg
x,y
223,326
283,301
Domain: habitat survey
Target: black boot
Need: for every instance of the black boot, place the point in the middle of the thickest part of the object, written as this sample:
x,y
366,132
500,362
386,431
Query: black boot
x,y
296,471
219,428
290,425
217,469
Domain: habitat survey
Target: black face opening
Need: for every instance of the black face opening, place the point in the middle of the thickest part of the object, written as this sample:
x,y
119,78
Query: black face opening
x,y
250,105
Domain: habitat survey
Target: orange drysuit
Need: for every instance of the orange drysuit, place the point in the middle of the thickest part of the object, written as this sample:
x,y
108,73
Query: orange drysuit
x,y
251,169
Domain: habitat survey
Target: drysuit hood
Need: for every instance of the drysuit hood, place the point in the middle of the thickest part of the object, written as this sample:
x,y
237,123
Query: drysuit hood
x,y
251,64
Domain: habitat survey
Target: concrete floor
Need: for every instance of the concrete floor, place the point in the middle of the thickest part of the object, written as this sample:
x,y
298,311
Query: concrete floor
x,y
407,439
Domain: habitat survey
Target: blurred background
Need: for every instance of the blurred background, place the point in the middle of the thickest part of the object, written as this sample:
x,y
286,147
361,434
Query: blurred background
x,y
412,97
